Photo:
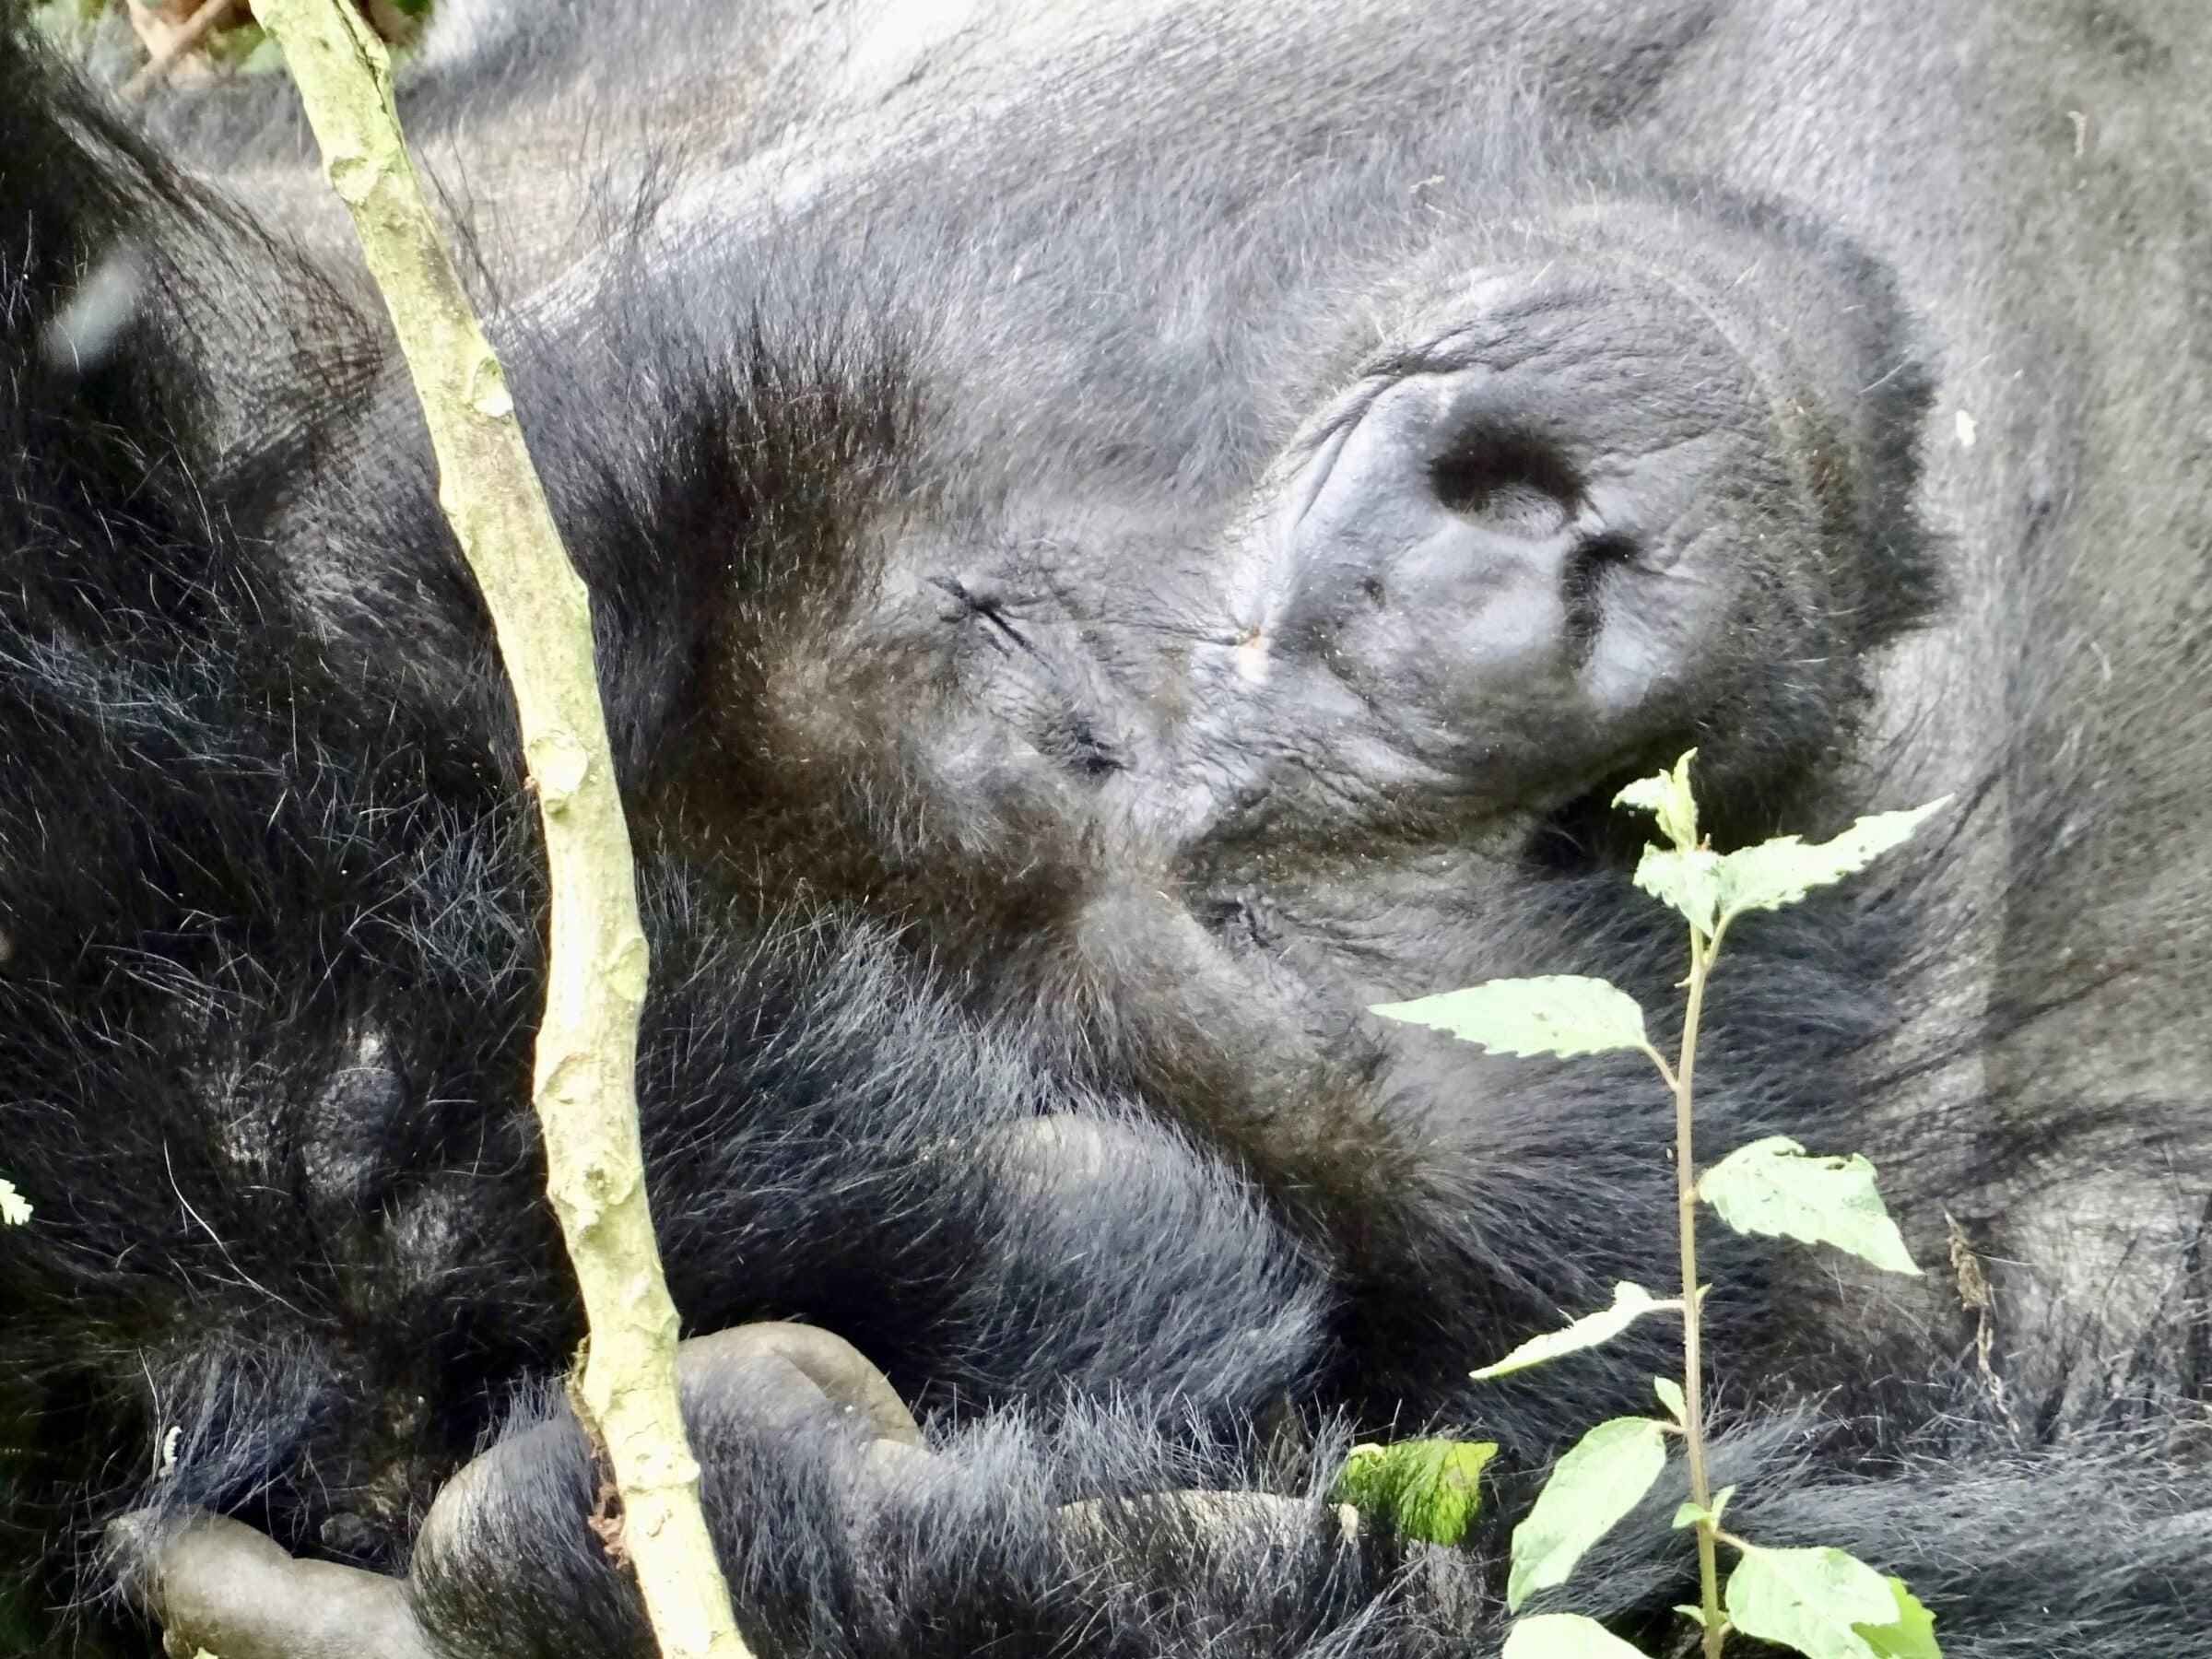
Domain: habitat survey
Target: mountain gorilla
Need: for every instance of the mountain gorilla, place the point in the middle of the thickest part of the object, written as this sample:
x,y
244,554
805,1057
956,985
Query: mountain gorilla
x,y
1122,536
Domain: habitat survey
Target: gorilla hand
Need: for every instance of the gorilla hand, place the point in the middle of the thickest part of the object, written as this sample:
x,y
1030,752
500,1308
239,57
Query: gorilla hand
x,y
216,1584
513,1560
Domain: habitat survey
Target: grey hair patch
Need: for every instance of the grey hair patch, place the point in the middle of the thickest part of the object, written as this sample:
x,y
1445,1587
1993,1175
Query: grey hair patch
x,y
80,336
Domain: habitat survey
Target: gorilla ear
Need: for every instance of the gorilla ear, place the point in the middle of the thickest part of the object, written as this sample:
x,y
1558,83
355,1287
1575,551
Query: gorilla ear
x,y
218,1584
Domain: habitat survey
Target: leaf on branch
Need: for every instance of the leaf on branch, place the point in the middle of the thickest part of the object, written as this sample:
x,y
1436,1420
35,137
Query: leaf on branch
x,y
1813,1600
15,1209
1785,870
1666,796
1601,1479
1631,1302
1564,1636
1563,1015
1772,1187
1429,1489
1670,1395
1688,881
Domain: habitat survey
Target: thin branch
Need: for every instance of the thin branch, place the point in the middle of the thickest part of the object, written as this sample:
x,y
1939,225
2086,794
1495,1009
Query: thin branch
x,y
584,1074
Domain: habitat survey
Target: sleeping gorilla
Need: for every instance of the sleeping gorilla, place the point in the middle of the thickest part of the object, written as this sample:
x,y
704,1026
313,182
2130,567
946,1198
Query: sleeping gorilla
x,y
1122,536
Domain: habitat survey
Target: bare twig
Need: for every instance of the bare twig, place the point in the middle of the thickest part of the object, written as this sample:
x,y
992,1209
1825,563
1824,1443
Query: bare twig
x,y
583,1078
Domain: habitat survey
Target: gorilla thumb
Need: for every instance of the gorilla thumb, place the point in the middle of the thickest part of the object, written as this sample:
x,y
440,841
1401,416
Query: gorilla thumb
x,y
218,1586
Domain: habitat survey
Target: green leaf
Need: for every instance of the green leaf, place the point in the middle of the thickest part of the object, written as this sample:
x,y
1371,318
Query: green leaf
x,y
1670,1395
1689,1514
1809,1599
1560,1014
1631,1302
1772,1187
1429,1489
1666,796
1785,870
1564,1636
1695,1615
15,1209
1600,1480
1912,1635
1690,881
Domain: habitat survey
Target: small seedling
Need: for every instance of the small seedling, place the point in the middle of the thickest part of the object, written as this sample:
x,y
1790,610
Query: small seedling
x,y
1823,1603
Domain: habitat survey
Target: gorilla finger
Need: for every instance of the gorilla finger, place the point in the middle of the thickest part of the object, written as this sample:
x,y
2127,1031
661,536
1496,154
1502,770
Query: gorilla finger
x,y
774,1374
767,1381
218,1586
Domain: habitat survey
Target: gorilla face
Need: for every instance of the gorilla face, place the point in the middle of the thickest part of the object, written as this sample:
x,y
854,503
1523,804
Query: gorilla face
x,y
1572,514
1209,761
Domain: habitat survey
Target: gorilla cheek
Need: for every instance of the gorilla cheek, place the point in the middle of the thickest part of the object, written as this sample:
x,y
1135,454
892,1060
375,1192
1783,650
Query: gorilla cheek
x,y
1514,568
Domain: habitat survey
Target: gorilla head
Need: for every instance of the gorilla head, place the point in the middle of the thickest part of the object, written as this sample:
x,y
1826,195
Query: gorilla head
x,y
1120,541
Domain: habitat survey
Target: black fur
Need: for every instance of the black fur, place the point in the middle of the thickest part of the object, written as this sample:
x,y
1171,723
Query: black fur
x,y
990,464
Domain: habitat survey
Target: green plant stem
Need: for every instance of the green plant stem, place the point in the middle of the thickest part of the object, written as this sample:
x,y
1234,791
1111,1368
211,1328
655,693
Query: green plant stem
x,y
1686,1213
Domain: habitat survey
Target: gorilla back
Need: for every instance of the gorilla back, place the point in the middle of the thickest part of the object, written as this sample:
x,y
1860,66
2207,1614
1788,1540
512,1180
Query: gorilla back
x,y
1121,537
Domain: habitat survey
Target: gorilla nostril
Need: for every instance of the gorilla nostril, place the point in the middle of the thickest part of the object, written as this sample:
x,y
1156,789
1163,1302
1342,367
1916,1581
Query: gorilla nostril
x,y
1581,580
1511,484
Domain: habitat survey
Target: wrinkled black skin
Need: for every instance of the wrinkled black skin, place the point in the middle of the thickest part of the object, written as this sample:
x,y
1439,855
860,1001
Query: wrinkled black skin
x,y
1116,549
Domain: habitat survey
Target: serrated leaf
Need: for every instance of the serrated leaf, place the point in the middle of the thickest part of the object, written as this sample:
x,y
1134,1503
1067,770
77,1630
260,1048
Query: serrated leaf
x,y
1912,1635
1561,1014
1785,869
1429,1489
15,1209
1670,1395
1631,1302
1688,881
1666,796
1597,1482
1810,1600
1772,1187
1564,1636
1689,1514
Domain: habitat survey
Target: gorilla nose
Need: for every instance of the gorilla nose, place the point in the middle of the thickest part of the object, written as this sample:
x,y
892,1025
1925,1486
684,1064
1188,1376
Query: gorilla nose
x,y
1499,530
1543,537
